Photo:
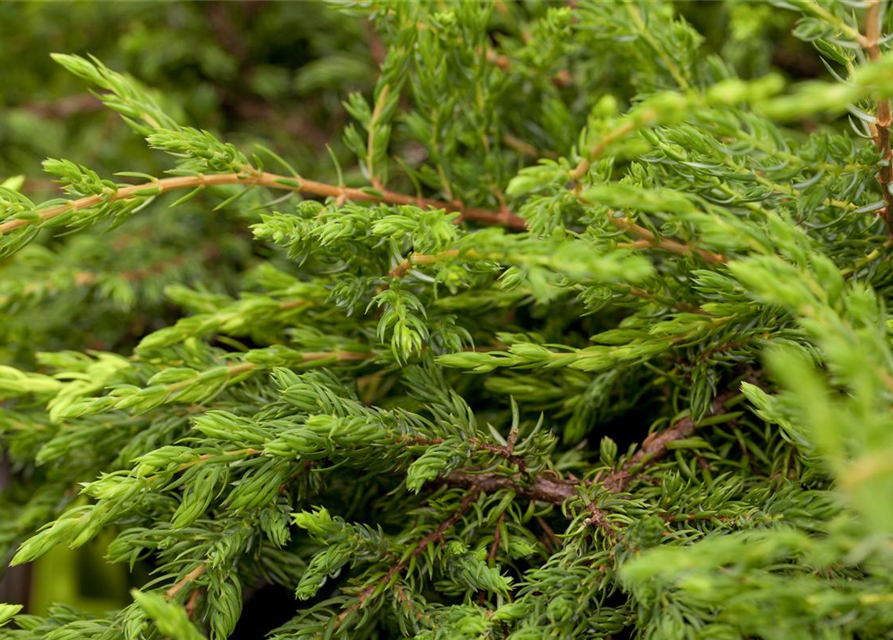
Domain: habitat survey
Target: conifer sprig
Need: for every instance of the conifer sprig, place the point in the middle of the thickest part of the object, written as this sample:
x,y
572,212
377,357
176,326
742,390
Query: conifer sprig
x,y
621,367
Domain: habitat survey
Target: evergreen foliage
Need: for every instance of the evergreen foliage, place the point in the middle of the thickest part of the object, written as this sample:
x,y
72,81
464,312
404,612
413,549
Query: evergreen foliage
x,y
586,337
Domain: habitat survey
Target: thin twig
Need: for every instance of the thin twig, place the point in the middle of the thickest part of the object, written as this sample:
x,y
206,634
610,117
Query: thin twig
x,y
526,148
655,446
186,580
271,181
663,243
435,536
494,549
193,602
552,540
557,490
274,181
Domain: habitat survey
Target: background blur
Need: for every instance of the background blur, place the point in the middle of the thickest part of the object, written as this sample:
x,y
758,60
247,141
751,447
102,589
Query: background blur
x,y
270,72
274,72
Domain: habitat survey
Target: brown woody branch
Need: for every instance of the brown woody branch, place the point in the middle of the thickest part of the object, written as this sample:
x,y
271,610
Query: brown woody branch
x,y
299,185
649,239
271,181
186,580
552,488
541,487
192,603
555,490
884,118
435,536
621,132
419,258
654,447
494,550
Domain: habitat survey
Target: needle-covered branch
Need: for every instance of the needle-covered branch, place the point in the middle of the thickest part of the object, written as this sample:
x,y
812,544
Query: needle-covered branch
x,y
504,385
265,179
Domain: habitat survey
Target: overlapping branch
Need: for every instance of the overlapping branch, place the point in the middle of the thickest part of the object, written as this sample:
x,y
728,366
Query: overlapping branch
x,y
552,488
299,185
435,536
650,240
271,181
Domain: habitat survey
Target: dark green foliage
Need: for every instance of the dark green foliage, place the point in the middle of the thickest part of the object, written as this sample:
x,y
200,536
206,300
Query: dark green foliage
x,y
579,332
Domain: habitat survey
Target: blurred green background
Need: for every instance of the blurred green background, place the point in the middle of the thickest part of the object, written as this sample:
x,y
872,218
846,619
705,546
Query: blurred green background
x,y
271,72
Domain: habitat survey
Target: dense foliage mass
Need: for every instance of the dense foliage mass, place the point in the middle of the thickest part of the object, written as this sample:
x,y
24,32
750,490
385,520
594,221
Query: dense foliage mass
x,y
578,332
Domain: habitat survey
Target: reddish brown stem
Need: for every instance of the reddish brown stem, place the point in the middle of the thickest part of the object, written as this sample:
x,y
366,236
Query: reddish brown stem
x,y
655,446
557,490
274,181
494,549
884,117
193,602
186,580
663,243
435,536
552,541
554,490
271,181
